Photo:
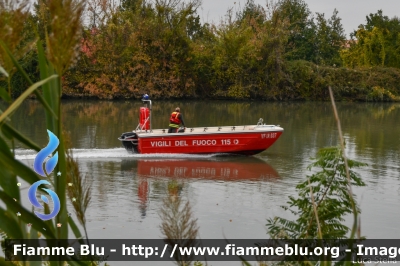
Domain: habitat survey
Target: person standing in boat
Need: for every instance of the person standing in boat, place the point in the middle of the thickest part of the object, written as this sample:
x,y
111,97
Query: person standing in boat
x,y
175,120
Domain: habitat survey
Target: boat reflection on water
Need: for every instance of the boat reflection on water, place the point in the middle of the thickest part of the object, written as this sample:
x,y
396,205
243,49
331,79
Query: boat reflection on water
x,y
230,169
224,169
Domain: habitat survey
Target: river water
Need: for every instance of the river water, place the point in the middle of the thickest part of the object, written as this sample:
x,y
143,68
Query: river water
x,y
230,197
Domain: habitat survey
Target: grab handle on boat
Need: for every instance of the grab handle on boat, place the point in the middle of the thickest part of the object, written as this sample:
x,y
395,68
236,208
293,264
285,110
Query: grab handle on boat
x,y
260,121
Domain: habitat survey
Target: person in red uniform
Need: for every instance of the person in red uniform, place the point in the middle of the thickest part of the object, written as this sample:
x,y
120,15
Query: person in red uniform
x,y
175,120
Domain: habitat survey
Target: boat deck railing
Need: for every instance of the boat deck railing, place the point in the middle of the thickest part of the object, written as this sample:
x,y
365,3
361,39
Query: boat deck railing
x,y
222,129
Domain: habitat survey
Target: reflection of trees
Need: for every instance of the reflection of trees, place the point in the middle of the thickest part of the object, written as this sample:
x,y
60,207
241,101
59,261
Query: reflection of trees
x,y
143,192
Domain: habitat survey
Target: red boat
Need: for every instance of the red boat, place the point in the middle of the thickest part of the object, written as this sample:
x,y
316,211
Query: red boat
x,y
242,139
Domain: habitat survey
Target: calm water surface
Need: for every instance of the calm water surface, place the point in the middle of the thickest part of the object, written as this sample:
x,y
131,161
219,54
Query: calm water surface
x,y
230,197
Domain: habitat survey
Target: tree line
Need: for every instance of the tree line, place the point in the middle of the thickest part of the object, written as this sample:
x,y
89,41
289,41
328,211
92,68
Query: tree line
x,y
279,51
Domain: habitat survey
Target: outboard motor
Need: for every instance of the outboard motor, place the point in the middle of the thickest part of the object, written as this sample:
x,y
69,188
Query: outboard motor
x,y
130,141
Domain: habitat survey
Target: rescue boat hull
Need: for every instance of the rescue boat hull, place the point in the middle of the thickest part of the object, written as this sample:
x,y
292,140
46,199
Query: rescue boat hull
x,y
246,140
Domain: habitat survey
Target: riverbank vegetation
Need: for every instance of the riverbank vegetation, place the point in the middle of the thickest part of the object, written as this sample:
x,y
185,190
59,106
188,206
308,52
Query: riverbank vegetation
x,y
278,51
325,193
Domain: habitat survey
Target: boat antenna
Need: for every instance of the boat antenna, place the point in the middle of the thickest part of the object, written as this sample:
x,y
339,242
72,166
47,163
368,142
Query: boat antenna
x,y
146,99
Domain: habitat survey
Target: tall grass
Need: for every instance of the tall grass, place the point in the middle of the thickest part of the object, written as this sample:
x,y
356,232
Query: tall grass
x,y
178,223
62,38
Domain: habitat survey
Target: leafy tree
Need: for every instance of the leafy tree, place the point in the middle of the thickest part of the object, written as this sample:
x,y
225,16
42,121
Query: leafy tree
x,y
13,22
144,49
330,38
251,10
203,54
194,28
327,192
378,20
317,40
302,30
377,43
97,12
368,50
130,5
249,57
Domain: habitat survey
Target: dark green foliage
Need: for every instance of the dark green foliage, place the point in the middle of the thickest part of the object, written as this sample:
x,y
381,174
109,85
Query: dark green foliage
x,y
310,81
332,200
251,11
378,20
130,5
330,40
312,39
302,30
249,58
30,64
376,43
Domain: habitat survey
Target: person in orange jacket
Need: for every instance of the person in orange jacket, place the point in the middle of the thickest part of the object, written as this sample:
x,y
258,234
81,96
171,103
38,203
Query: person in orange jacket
x,y
175,120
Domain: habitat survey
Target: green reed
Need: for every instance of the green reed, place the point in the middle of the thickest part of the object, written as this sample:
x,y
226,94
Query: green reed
x,y
61,43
